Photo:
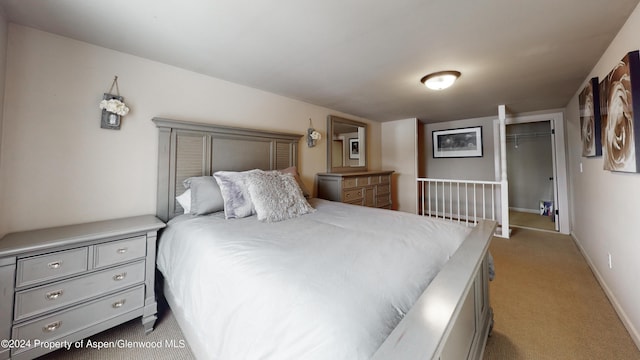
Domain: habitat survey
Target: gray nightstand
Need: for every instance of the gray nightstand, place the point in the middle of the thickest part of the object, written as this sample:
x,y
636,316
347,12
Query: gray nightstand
x,y
67,283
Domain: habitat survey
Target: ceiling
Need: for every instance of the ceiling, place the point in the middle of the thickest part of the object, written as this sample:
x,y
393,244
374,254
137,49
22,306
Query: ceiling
x,y
362,57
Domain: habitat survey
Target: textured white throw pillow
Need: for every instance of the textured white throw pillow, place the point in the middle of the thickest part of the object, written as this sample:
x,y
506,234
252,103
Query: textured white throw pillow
x,y
276,196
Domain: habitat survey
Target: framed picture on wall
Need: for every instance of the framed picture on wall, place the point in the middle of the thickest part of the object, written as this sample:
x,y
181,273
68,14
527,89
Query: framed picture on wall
x,y
354,148
589,100
620,114
457,143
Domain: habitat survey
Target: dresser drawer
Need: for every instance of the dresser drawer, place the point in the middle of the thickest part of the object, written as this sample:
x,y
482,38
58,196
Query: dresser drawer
x,y
349,183
36,269
351,195
118,251
66,322
362,180
383,201
50,297
382,189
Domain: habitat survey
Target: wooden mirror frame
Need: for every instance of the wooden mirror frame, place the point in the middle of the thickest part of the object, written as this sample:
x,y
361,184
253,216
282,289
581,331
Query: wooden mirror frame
x,y
332,121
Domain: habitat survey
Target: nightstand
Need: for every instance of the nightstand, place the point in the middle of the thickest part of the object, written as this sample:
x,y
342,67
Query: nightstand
x,y
69,282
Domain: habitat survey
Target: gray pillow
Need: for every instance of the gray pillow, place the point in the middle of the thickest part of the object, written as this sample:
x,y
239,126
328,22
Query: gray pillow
x,y
235,192
277,196
206,196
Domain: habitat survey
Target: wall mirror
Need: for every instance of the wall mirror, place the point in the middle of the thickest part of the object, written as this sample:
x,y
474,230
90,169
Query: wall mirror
x,y
347,150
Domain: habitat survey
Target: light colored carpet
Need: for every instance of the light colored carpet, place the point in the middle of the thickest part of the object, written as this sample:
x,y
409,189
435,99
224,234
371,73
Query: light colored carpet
x,y
531,220
549,305
167,337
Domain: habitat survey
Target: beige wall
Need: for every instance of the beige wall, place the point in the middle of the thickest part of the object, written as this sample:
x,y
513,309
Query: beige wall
x,y
399,153
477,168
59,167
3,62
605,204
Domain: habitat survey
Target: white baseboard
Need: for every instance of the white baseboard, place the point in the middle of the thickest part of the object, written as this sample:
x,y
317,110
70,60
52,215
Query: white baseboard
x,y
635,336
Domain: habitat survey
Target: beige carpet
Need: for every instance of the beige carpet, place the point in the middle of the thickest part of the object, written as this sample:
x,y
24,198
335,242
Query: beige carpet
x,y
167,337
531,220
549,305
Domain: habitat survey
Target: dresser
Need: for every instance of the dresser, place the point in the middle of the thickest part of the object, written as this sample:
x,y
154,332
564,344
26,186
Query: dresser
x,y
66,283
367,188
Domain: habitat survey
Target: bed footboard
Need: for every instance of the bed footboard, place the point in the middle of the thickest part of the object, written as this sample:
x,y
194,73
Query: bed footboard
x,y
452,318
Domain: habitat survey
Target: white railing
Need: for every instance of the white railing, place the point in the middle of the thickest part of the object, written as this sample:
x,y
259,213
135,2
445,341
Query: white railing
x,y
464,201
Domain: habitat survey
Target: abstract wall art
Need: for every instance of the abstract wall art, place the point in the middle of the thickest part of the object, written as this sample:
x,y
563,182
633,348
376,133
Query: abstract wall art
x,y
590,122
620,114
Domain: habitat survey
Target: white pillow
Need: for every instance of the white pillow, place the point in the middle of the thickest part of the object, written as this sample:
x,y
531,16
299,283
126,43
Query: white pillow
x,y
276,196
185,201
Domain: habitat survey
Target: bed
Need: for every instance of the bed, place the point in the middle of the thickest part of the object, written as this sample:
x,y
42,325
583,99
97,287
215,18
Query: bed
x,y
337,282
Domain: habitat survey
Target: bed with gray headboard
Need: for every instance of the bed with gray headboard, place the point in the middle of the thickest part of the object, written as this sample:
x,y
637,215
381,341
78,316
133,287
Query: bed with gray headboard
x,y
450,319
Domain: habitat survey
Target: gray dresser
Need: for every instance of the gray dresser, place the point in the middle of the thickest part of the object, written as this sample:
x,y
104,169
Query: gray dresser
x,y
70,282
367,188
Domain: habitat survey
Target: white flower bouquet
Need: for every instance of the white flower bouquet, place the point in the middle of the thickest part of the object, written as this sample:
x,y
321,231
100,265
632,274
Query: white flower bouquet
x,y
114,106
315,135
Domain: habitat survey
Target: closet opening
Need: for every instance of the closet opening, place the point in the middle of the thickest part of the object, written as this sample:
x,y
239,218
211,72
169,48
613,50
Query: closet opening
x,y
531,170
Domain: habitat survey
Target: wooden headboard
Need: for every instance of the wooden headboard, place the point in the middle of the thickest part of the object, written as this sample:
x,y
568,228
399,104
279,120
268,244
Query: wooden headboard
x,y
187,149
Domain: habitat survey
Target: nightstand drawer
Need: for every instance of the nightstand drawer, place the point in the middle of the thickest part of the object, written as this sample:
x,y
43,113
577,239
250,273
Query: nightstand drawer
x,y
119,251
51,266
69,321
50,297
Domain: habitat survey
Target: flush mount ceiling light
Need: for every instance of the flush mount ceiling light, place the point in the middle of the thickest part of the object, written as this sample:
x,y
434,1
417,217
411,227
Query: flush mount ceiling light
x,y
440,80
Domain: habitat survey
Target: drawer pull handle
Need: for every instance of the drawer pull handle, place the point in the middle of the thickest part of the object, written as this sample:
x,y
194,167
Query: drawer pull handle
x,y
52,327
53,295
119,277
121,250
54,264
118,304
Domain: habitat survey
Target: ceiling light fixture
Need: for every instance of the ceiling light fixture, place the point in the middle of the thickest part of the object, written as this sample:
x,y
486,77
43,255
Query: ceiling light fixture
x,y
440,80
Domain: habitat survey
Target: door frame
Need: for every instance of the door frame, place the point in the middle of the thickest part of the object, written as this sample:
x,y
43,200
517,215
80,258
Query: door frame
x,y
561,189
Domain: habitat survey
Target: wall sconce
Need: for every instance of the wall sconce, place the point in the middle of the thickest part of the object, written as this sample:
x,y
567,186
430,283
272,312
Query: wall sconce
x,y
113,108
312,135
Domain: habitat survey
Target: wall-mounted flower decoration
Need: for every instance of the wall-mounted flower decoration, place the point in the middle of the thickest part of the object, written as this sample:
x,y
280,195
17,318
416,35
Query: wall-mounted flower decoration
x,y
113,108
312,135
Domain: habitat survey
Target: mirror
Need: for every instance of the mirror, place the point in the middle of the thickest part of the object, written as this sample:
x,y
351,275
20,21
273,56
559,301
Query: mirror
x,y
347,151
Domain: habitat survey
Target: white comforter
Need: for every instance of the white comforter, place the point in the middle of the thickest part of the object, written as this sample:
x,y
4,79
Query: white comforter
x,y
329,285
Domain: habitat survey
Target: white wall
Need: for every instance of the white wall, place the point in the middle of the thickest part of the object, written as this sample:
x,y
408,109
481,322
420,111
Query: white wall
x,y
399,153
605,204
58,166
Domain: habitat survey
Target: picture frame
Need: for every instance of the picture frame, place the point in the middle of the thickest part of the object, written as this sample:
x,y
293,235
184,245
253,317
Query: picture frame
x,y
620,115
457,143
354,148
590,121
